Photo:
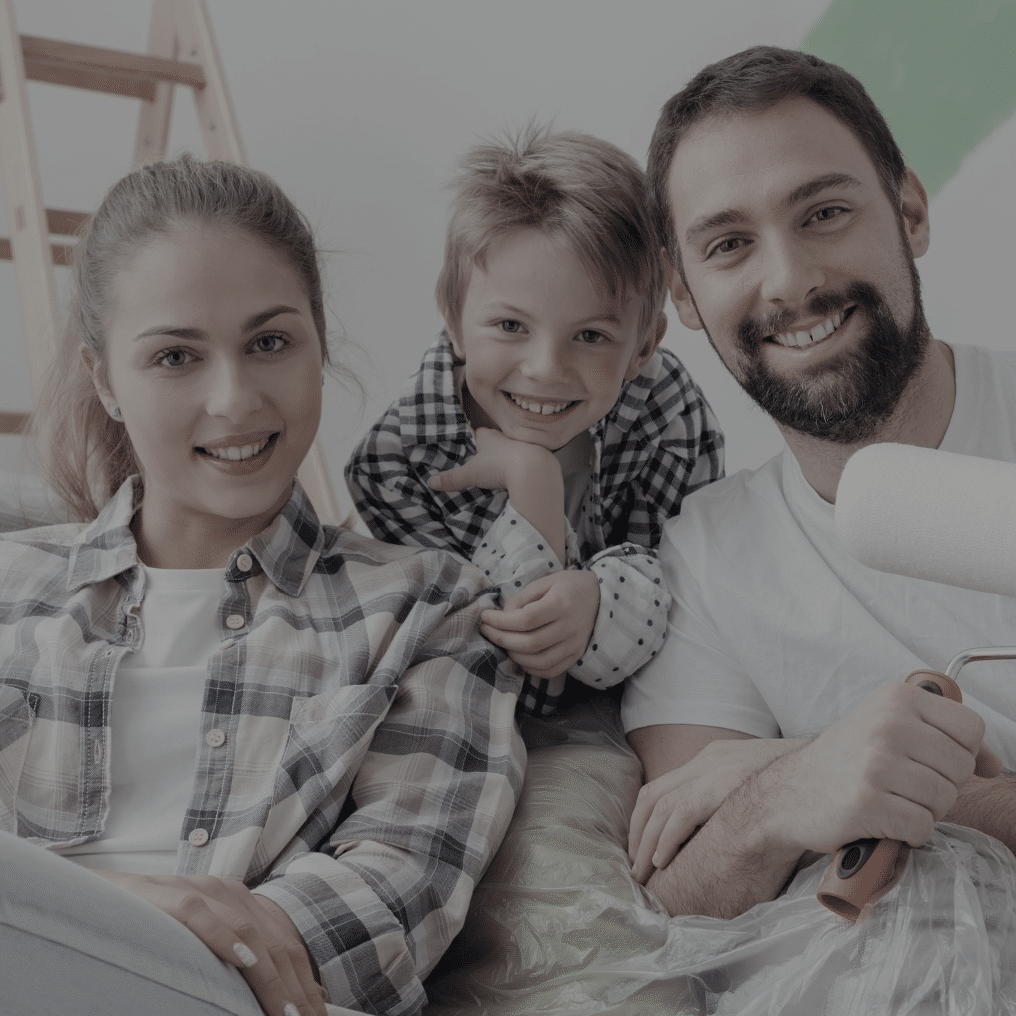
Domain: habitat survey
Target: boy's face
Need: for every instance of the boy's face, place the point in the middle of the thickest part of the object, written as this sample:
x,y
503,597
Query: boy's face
x,y
546,352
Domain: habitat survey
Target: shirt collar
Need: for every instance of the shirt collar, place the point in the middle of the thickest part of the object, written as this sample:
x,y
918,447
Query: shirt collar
x,y
431,414
286,551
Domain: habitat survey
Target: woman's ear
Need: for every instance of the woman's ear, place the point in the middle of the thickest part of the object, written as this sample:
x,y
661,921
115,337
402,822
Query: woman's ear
x,y
101,388
646,350
679,293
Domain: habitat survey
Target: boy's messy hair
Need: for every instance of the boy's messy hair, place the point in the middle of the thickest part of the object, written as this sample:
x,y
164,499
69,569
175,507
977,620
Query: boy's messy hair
x,y
584,192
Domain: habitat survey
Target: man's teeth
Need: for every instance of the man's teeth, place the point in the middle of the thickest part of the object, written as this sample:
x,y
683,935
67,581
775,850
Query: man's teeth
x,y
819,332
235,454
545,408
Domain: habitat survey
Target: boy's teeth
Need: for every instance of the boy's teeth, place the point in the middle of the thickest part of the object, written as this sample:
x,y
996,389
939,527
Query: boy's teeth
x,y
821,331
545,409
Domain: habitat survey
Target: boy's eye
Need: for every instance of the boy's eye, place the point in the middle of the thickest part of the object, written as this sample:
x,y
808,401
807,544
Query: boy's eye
x,y
511,326
590,336
174,358
269,344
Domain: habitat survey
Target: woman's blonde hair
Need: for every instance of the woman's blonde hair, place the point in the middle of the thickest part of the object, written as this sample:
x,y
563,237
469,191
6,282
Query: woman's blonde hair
x,y
87,455
584,192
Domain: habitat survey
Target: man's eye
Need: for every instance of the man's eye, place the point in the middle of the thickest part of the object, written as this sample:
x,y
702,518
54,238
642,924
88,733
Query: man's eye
x,y
591,337
825,214
511,326
270,344
727,246
173,358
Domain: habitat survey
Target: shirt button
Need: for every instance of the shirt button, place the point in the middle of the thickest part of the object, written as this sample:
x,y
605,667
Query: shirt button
x,y
244,562
199,837
235,621
215,738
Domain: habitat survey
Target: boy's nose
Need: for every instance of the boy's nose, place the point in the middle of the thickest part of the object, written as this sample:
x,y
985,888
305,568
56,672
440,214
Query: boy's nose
x,y
543,361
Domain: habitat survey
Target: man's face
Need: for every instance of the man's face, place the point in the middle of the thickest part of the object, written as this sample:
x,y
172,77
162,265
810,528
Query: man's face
x,y
799,267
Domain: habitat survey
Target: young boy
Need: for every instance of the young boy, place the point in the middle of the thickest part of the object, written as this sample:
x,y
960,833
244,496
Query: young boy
x,y
546,436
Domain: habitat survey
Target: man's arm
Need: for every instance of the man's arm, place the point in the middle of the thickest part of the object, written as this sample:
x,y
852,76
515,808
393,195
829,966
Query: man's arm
x,y
889,769
989,806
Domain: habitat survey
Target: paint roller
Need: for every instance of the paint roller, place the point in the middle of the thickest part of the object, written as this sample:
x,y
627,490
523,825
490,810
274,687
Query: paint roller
x,y
929,515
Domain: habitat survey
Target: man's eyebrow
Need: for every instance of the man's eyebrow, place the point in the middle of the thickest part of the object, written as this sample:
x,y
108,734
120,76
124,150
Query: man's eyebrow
x,y
253,322
732,216
819,184
708,223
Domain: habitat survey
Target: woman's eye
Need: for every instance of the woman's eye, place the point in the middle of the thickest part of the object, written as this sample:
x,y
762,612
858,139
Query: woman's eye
x,y
591,337
173,358
511,326
269,344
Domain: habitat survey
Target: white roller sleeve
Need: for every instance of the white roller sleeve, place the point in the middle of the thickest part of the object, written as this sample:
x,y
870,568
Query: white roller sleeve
x,y
931,515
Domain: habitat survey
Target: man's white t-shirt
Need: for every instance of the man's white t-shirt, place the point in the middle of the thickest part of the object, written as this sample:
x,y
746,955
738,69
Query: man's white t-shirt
x,y
775,630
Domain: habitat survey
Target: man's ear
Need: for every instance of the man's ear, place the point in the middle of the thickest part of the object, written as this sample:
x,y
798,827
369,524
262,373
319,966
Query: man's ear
x,y
914,209
105,395
685,305
646,350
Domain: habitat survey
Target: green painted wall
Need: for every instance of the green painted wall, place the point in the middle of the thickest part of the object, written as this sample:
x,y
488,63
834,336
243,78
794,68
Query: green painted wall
x,y
942,71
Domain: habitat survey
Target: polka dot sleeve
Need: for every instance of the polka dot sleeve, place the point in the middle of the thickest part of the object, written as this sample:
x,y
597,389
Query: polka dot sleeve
x,y
632,620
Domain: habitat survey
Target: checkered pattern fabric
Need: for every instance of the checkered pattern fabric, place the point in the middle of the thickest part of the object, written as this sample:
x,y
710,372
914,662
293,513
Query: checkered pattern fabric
x,y
660,442
370,762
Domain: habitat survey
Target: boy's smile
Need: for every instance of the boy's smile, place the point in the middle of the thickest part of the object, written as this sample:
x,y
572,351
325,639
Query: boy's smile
x,y
546,350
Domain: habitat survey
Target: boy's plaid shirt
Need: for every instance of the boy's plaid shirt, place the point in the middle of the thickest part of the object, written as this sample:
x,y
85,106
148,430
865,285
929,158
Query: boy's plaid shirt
x,y
660,442
371,762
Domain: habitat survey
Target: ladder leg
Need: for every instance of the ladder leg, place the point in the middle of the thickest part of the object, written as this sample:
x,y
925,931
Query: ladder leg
x,y
154,117
26,214
215,111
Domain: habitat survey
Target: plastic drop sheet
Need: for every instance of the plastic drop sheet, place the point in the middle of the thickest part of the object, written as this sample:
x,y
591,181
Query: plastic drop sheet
x,y
558,926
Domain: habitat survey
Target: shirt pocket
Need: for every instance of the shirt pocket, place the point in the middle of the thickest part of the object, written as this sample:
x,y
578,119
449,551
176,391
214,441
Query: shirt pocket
x,y
16,717
329,736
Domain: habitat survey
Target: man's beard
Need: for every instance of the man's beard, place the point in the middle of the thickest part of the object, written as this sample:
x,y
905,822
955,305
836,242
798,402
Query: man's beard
x,y
847,398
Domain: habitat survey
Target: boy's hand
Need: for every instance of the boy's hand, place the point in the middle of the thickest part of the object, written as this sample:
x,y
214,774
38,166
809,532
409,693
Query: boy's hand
x,y
498,460
546,627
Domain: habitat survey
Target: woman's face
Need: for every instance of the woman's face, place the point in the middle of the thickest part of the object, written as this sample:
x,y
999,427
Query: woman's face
x,y
215,364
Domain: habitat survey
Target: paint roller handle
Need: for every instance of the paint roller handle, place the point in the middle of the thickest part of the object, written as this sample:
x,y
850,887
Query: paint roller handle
x,y
863,871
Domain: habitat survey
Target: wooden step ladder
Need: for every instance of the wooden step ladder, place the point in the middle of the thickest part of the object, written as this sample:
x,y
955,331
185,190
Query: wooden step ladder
x,y
181,51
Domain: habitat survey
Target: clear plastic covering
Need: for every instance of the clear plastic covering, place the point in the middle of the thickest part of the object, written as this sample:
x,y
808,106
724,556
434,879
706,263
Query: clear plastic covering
x,y
558,926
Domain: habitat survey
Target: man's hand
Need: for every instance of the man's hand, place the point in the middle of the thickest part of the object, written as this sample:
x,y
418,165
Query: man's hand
x,y
245,930
670,808
890,768
546,627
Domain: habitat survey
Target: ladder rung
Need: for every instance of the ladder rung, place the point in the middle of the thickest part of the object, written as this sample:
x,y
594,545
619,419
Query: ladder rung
x,y
61,252
14,423
116,71
64,223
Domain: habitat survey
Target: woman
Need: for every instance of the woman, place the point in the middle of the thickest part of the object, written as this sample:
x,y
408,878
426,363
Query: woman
x,y
286,737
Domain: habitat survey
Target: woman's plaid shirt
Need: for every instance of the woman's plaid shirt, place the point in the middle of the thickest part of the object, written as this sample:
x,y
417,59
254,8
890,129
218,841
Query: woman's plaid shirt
x,y
371,762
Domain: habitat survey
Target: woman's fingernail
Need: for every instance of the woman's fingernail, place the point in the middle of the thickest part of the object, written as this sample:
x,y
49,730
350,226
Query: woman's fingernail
x,y
244,954
291,1010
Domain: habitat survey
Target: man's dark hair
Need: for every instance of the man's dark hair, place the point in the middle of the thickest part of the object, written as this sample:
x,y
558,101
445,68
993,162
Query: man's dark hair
x,y
753,81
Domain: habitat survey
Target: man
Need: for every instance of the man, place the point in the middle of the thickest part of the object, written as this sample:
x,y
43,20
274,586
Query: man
x,y
791,225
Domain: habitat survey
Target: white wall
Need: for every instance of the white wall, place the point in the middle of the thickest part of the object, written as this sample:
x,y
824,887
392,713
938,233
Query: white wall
x,y
360,109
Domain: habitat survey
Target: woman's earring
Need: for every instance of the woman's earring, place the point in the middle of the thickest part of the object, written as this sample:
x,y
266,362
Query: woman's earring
x,y
115,412
322,379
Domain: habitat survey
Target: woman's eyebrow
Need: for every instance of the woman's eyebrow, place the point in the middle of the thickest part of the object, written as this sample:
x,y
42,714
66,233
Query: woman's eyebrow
x,y
253,322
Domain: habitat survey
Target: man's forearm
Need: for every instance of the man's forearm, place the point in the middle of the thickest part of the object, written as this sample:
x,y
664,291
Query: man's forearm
x,y
730,864
988,805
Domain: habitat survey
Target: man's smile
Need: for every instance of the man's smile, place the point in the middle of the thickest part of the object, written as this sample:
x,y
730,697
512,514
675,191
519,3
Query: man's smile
x,y
808,337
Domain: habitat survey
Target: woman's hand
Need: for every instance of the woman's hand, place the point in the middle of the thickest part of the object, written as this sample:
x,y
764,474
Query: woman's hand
x,y
546,627
673,806
247,931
